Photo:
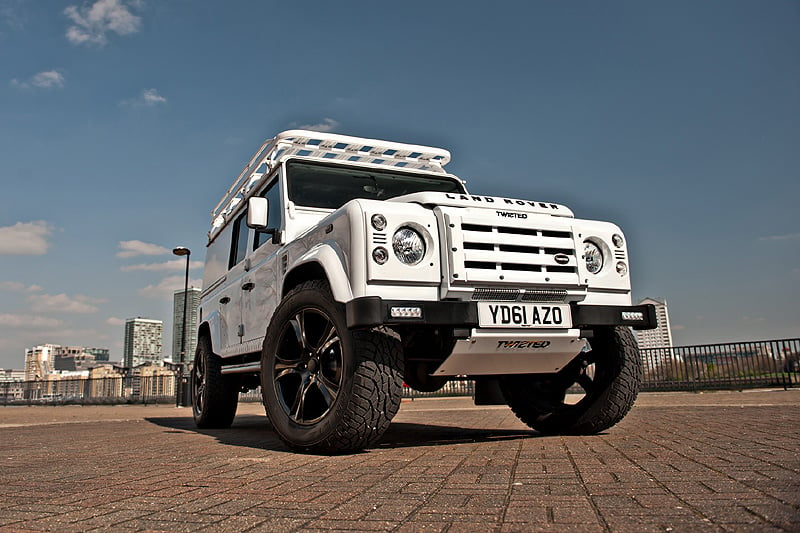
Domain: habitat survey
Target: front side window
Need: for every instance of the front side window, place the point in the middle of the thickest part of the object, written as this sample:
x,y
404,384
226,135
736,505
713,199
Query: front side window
x,y
273,194
330,187
239,239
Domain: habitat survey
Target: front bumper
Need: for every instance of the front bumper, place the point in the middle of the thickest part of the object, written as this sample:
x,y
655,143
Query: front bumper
x,y
372,311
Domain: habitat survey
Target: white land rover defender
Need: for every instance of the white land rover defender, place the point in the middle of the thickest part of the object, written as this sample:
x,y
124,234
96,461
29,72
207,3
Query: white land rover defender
x,y
339,268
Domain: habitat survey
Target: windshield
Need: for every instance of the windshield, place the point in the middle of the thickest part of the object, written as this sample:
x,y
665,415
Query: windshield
x,y
330,187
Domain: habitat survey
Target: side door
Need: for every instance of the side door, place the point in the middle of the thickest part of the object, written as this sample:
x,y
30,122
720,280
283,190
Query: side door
x,y
230,299
260,293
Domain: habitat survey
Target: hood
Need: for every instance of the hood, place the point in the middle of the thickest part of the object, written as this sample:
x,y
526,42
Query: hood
x,y
490,202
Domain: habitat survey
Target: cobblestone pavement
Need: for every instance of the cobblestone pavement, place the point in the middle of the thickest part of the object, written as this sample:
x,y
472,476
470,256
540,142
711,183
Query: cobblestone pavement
x,y
724,461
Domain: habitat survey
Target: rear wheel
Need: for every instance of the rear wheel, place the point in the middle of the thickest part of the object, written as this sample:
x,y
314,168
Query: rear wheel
x,y
327,389
214,395
608,374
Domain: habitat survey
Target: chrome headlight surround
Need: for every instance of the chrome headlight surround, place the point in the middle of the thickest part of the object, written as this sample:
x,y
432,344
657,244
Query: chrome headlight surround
x,y
409,245
593,256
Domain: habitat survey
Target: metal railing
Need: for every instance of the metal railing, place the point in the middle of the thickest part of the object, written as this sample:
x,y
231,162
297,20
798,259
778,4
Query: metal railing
x,y
738,365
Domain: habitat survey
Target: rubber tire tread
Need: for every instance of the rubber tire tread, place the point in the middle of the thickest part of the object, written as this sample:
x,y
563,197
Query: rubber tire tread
x,y
376,378
618,347
221,391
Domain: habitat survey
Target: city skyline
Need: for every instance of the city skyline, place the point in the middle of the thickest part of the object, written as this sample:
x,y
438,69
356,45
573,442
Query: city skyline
x,y
122,123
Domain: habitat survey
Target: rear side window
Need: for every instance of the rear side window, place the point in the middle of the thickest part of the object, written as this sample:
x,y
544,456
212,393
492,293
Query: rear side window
x,y
239,240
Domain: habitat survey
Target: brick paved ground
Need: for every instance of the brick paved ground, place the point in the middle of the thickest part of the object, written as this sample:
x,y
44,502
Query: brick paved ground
x,y
709,462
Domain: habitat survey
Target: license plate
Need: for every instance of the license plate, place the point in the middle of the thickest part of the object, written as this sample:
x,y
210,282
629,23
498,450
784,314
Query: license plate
x,y
496,315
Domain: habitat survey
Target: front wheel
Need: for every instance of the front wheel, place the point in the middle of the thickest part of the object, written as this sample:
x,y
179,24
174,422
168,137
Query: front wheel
x,y
327,389
609,375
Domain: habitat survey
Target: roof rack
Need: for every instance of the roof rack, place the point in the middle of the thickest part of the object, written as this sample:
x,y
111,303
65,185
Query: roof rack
x,y
324,146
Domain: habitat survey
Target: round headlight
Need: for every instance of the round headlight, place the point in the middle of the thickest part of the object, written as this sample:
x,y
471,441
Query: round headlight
x,y
622,268
617,240
408,246
378,222
593,256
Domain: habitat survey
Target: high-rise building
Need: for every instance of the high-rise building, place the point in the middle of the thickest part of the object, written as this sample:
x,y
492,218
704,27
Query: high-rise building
x,y
192,303
143,342
39,361
661,337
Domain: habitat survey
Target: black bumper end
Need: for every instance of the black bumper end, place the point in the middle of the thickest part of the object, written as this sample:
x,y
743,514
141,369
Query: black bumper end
x,y
371,311
636,316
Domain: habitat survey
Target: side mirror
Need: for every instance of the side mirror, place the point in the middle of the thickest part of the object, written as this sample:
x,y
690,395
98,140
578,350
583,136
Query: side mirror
x,y
257,212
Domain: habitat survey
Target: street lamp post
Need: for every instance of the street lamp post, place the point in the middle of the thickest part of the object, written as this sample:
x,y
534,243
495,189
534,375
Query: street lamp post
x,y
181,251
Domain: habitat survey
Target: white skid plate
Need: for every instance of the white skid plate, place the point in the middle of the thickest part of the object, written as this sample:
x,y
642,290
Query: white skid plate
x,y
493,352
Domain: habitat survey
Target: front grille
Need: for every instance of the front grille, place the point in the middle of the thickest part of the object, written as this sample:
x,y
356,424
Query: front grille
x,y
513,295
529,253
544,295
497,295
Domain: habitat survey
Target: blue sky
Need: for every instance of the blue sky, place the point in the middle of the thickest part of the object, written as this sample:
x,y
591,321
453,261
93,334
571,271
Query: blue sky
x,y
122,123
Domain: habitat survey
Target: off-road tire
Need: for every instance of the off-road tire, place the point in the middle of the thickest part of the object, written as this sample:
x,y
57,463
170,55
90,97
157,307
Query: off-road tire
x,y
538,400
214,395
363,368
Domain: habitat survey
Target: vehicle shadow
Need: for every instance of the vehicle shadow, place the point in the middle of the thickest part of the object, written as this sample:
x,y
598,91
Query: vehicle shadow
x,y
254,431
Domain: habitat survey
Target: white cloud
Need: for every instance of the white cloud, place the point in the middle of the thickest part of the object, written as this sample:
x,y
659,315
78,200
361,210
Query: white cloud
x,y
786,237
327,124
166,287
61,303
48,79
91,24
114,321
11,15
147,98
14,286
28,321
175,264
135,248
677,327
25,238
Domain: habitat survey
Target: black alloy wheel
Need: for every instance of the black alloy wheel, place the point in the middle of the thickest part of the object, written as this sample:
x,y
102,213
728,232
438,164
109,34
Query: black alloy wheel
x,y
307,368
327,389
215,396
608,375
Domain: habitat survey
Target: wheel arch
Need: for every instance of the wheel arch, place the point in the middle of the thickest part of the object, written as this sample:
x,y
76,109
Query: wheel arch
x,y
321,262
210,328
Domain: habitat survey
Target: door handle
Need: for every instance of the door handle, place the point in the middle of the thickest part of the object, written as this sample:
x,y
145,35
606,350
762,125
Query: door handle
x,y
224,300
249,286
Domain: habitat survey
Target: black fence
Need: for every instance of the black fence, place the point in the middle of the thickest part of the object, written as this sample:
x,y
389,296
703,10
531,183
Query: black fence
x,y
738,365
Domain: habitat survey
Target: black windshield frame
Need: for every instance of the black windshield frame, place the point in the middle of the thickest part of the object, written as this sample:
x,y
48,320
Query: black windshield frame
x,y
330,186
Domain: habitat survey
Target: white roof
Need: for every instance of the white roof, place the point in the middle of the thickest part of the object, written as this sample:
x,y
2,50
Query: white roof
x,y
325,147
